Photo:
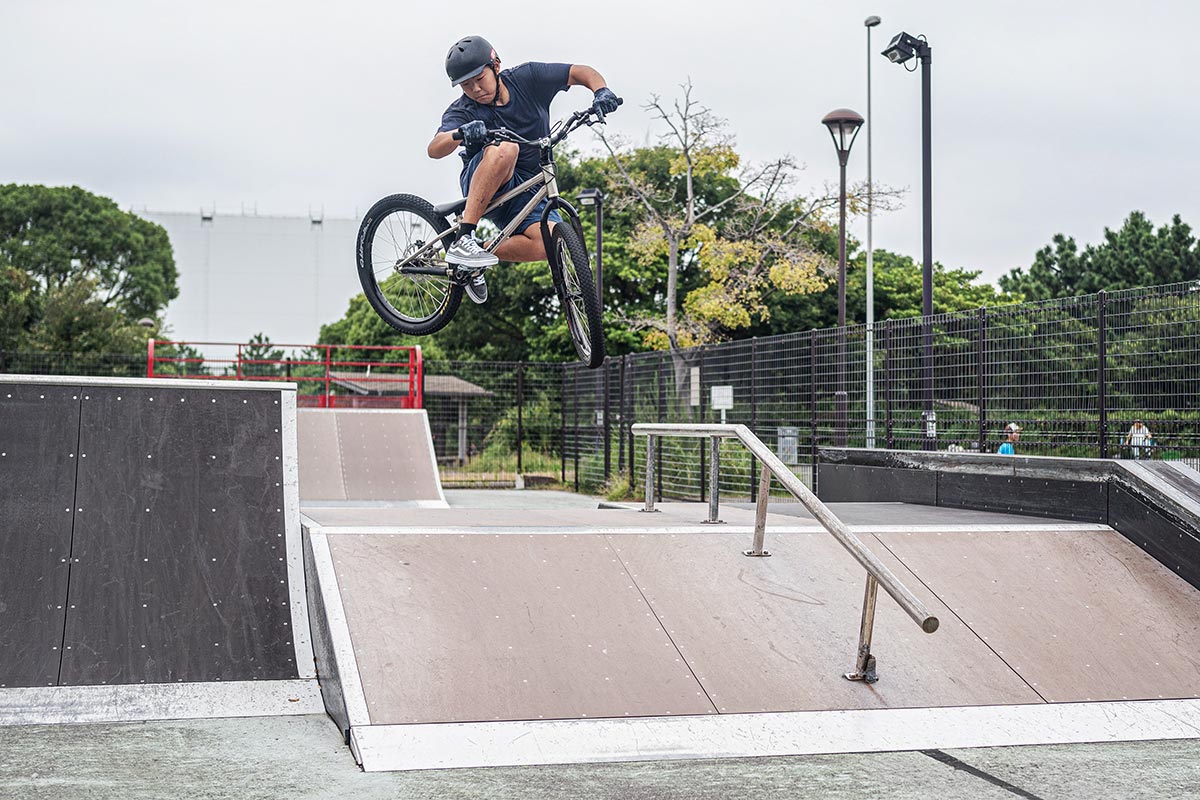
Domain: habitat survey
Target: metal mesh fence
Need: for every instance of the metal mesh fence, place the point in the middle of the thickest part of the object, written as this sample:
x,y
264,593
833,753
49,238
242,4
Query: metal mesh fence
x,y
493,421
1074,373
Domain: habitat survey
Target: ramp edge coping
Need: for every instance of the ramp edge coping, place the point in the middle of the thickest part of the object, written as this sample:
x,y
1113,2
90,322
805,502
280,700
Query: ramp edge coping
x,y
493,744
156,383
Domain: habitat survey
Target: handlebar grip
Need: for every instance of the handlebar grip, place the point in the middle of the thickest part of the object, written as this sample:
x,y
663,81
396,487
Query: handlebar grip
x,y
620,100
456,135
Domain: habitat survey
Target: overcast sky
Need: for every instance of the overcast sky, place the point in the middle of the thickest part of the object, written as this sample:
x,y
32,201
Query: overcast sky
x,y
1047,116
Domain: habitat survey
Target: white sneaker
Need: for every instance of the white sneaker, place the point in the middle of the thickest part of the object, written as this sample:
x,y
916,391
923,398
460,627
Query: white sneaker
x,y
467,252
476,288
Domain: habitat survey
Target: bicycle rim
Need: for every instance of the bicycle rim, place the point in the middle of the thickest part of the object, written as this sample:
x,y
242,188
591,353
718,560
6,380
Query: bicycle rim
x,y
577,318
397,236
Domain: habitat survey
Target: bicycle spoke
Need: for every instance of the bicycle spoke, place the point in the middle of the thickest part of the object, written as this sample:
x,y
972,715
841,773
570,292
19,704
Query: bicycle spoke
x,y
403,236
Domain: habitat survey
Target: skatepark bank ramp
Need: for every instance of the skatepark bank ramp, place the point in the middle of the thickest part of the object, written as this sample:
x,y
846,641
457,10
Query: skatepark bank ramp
x,y
151,561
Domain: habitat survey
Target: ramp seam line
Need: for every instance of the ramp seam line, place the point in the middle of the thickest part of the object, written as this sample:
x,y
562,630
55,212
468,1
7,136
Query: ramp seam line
x,y
983,641
661,625
62,645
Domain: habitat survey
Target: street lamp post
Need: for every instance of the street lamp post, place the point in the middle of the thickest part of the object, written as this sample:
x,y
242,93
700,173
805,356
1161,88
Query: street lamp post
x,y
870,22
902,48
843,125
595,197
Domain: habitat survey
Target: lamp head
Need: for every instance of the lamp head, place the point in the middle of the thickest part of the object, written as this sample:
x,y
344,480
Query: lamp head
x,y
872,21
590,197
903,47
843,125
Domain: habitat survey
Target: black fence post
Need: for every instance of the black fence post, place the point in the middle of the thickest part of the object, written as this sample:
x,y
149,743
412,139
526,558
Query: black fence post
x,y
575,419
562,430
753,414
520,417
888,424
1102,369
702,442
662,417
812,405
607,424
621,419
980,376
629,428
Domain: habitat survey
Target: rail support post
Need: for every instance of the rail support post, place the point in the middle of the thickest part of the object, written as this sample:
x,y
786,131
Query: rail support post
x,y
760,515
714,482
864,666
651,447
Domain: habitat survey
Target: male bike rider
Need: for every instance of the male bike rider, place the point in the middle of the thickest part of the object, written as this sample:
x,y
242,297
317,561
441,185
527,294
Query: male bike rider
x,y
518,99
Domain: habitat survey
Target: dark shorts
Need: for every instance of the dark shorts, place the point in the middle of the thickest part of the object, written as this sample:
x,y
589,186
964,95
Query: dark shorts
x,y
505,213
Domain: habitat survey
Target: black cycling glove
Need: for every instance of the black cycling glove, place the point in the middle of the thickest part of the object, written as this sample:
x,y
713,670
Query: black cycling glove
x,y
474,134
606,101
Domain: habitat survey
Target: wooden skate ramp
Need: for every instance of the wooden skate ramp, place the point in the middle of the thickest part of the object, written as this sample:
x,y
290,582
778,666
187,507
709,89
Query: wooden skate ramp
x,y
454,633
367,455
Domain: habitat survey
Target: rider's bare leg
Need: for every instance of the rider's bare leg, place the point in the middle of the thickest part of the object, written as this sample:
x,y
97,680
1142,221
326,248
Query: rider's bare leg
x,y
524,246
494,170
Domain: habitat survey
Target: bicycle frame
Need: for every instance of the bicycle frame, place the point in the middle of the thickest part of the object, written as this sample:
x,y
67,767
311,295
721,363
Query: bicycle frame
x,y
547,180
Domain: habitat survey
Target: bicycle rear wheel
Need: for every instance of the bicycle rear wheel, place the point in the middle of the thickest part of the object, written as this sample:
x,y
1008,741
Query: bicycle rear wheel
x,y
419,297
572,273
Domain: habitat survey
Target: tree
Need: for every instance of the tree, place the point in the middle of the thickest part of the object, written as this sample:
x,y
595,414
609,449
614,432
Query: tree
x,y
1134,255
79,272
733,226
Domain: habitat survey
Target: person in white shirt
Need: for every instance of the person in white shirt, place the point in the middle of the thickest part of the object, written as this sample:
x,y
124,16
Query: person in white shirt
x,y
1138,438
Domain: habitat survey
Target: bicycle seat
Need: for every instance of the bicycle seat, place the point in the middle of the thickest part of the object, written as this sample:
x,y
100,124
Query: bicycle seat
x,y
451,208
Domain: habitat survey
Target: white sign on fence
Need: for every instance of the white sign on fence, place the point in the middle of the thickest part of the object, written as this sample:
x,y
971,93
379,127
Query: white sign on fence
x,y
695,387
722,398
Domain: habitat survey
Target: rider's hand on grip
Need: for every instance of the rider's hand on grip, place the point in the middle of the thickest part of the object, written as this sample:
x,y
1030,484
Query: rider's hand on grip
x,y
606,101
473,134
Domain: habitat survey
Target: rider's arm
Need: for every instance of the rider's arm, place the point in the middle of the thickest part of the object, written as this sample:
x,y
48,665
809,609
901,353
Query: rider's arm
x,y
443,144
583,75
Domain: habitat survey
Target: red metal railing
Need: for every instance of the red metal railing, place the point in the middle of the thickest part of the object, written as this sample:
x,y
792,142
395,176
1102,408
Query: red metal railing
x,y
327,375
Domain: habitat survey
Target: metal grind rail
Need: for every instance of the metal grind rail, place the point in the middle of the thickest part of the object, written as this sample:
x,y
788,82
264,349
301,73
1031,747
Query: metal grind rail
x,y
877,573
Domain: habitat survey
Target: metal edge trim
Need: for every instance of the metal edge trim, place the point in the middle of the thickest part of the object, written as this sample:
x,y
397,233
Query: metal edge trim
x,y
306,665
480,530
460,745
162,701
339,630
178,383
437,473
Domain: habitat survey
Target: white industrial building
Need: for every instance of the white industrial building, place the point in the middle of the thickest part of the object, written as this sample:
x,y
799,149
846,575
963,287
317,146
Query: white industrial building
x,y
243,274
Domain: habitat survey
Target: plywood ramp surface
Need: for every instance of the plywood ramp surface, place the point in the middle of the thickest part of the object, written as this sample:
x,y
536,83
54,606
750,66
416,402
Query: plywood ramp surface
x,y
368,455
1080,616
776,634
480,628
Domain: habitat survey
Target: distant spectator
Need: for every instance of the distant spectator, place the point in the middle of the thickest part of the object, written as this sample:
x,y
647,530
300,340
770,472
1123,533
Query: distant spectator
x,y
1139,440
1013,432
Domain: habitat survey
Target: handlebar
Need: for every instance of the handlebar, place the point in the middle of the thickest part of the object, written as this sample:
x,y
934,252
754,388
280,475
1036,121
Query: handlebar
x,y
589,116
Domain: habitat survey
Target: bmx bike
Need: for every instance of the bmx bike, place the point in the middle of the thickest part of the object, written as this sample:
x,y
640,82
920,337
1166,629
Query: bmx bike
x,y
403,239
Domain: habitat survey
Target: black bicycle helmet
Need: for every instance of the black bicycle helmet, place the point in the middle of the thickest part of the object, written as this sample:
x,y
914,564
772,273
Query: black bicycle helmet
x,y
468,57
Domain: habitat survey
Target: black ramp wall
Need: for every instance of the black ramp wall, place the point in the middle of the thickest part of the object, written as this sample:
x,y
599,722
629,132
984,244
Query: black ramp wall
x,y
39,431
177,559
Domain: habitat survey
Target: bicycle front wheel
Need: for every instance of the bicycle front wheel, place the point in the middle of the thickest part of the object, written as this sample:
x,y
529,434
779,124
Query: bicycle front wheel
x,y
403,275
572,273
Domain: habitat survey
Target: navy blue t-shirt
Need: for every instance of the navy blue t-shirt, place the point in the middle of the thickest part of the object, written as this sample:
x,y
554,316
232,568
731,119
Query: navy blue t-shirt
x,y
531,87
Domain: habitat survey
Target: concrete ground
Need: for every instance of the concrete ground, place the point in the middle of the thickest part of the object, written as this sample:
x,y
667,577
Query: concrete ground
x,y
303,758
